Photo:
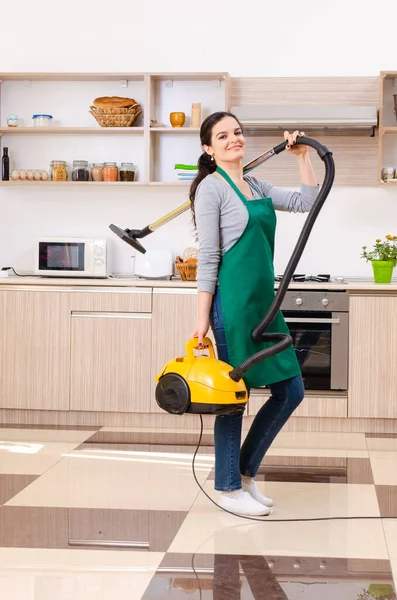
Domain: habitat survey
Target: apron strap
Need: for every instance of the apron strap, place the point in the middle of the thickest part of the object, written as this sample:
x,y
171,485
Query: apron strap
x,y
234,186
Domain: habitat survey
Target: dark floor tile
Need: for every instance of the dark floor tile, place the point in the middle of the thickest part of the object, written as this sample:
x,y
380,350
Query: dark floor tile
x,y
387,500
381,435
181,438
11,485
234,577
141,447
314,470
51,427
45,527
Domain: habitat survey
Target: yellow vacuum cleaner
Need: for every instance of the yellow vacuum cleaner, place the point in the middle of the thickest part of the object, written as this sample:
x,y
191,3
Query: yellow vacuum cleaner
x,y
204,384
199,384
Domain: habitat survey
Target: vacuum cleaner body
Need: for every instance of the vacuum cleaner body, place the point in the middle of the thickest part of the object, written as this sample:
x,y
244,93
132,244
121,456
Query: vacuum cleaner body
x,y
199,384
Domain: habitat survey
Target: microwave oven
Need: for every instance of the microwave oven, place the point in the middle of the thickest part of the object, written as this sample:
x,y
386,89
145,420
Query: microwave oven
x,y
70,257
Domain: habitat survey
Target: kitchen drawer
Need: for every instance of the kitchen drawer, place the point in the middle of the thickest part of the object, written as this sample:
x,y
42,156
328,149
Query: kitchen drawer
x,y
117,299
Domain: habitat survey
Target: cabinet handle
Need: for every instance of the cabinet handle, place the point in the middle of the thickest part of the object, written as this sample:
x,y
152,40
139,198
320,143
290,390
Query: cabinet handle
x,y
109,543
186,291
112,289
309,320
112,315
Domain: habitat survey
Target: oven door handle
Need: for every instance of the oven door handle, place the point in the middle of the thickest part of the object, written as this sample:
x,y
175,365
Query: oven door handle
x,y
310,320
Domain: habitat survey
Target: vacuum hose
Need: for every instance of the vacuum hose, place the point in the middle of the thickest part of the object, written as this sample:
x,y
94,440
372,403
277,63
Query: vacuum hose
x,y
281,340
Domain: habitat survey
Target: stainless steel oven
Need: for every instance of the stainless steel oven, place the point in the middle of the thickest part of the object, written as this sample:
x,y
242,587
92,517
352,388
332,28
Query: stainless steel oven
x,y
319,325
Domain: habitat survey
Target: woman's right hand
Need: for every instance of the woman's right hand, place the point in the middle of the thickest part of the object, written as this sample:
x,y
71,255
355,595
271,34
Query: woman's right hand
x,y
201,330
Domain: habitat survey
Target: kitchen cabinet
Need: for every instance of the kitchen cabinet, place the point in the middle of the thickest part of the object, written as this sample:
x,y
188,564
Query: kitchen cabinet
x,y
174,319
155,150
111,350
34,349
373,357
387,127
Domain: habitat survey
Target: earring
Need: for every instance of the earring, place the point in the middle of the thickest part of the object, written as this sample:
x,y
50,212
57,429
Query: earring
x,y
212,157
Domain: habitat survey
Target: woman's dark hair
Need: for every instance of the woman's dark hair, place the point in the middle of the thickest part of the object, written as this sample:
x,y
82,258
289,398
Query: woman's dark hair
x,y
206,166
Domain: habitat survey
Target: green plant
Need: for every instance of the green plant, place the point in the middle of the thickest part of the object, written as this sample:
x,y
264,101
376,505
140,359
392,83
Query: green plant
x,y
386,250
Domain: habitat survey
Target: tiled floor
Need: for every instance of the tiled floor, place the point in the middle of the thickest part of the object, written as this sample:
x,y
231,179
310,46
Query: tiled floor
x,y
116,514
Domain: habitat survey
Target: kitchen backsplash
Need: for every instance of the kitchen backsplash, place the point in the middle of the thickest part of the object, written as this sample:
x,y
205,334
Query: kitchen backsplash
x,y
350,218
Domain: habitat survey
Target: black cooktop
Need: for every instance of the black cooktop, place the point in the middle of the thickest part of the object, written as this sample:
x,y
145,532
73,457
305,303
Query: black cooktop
x,y
320,278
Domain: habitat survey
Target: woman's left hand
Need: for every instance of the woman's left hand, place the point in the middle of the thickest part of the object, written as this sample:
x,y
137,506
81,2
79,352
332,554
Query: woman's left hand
x,y
292,147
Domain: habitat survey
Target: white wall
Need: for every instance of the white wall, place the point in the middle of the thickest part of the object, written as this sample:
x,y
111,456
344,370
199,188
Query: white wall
x,y
307,38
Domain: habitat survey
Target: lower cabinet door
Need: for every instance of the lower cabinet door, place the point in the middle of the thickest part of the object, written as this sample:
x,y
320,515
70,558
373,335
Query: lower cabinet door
x,y
111,361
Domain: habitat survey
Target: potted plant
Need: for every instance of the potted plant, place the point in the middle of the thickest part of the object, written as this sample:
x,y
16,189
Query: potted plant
x,y
383,258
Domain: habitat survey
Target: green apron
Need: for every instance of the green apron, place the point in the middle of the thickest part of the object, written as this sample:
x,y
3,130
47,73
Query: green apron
x,y
246,286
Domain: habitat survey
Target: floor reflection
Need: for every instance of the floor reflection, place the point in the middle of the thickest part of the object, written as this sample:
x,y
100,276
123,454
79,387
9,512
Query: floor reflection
x,y
239,577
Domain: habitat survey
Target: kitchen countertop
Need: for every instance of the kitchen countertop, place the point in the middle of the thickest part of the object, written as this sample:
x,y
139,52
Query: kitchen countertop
x,y
352,285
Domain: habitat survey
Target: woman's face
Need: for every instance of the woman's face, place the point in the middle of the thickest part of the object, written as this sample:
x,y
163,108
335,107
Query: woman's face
x,y
227,143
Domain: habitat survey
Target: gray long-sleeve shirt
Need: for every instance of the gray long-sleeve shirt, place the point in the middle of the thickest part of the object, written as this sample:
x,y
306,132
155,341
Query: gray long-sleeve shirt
x,y
221,218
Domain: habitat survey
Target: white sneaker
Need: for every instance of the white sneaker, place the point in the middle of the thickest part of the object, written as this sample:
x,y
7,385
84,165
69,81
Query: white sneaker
x,y
252,489
243,504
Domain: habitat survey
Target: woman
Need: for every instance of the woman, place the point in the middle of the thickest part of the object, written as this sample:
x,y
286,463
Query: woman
x,y
236,221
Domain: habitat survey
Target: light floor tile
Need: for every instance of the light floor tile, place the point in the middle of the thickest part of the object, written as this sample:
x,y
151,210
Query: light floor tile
x,y
321,439
382,444
45,435
209,530
27,457
390,527
75,574
319,452
384,467
95,478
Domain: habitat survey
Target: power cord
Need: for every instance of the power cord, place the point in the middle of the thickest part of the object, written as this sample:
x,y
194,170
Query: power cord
x,y
263,519
18,274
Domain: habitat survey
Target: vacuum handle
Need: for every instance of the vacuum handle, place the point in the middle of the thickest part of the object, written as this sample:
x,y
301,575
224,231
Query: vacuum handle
x,y
192,345
306,141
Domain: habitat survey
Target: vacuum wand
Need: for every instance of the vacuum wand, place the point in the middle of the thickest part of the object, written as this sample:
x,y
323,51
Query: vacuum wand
x,y
131,236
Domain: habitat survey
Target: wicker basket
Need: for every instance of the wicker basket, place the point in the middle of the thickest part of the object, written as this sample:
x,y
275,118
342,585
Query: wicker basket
x,y
116,117
187,270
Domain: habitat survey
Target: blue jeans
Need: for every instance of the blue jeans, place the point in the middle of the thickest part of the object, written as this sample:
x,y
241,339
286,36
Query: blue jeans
x,y
285,396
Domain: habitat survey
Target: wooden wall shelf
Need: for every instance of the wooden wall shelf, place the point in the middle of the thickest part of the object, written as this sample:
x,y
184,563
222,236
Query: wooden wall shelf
x,y
155,150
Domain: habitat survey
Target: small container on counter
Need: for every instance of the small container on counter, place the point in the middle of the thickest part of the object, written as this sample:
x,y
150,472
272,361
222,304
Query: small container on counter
x,y
12,120
42,120
59,170
80,171
127,172
110,171
97,172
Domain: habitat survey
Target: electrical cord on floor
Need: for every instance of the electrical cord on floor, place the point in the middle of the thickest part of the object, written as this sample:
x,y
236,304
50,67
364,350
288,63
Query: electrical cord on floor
x,y
265,519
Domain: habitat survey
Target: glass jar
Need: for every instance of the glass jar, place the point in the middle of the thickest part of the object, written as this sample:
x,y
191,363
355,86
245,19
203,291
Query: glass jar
x,y
127,172
80,170
42,120
12,120
110,171
97,172
59,170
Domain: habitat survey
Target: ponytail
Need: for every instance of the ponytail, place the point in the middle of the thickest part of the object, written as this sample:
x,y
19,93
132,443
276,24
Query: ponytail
x,y
206,166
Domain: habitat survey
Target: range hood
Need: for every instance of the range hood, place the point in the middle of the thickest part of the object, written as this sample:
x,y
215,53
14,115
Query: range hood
x,y
307,117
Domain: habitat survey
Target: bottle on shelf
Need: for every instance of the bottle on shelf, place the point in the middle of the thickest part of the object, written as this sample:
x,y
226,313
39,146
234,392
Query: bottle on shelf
x,y
5,165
